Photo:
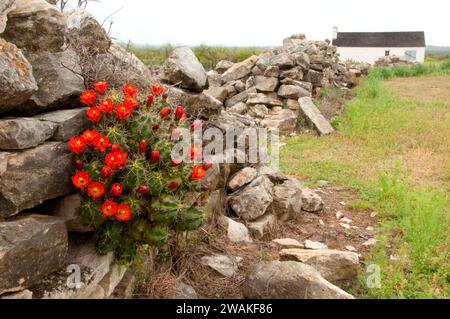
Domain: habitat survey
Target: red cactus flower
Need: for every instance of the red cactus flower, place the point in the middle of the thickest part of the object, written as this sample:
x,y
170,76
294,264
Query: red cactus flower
x,y
142,189
198,173
94,114
174,184
116,159
194,151
116,190
207,166
90,136
155,127
100,87
123,213
108,209
155,156
101,143
165,112
130,101
106,172
157,90
123,111
77,145
150,99
88,97
80,180
142,146
179,112
79,165
106,105
96,190
115,148
129,90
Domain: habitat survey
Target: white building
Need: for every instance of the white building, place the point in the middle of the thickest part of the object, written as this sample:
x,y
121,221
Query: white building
x,y
370,46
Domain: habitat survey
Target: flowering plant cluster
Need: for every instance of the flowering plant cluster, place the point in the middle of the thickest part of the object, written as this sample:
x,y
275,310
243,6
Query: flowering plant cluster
x,y
133,192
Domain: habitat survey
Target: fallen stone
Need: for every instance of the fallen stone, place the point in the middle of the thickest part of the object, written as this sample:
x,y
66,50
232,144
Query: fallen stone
x,y
266,84
338,267
239,70
252,201
350,248
287,243
314,245
22,133
242,178
225,265
69,123
241,97
24,294
30,248
35,25
17,83
261,98
184,291
33,176
183,66
262,226
311,201
370,242
313,114
289,280
236,232
217,92
5,7
287,200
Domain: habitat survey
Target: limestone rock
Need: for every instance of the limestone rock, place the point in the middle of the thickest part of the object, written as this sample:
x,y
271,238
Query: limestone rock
x,y
5,7
314,245
35,25
287,200
236,232
315,77
30,248
223,264
112,279
85,31
183,66
292,92
17,82
33,176
312,202
68,209
22,133
240,70
258,111
59,87
313,114
262,226
261,98
289,280
69,123
24,294
252,201
223,66
306,85
285,121
217,92
241,97
195,104
272,71
266,84
338,267
283,60
242,178
239,108
184,291
287,243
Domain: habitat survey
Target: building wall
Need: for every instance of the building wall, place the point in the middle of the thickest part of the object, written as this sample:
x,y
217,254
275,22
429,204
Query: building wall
x,y
370,55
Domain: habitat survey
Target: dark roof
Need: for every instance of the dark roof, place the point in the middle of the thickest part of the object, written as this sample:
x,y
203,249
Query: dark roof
x,y
380,39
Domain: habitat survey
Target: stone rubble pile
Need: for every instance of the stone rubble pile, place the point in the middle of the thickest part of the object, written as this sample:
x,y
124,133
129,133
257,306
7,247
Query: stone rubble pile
x,y
267,87
41,68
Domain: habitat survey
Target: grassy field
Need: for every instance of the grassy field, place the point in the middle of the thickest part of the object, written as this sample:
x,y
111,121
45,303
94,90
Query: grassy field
x,y
392,146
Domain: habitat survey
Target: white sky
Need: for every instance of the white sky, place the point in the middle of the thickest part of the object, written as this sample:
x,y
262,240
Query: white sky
x,y
268,22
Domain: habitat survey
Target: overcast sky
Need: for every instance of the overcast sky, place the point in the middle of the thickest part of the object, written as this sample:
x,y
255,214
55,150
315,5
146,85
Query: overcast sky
x,y
268,22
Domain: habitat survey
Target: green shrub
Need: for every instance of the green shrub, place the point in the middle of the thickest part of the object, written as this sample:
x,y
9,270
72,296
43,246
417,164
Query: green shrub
x,y
445,66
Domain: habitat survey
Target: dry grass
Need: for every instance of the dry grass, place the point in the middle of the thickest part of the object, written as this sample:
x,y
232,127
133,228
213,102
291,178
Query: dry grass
x,y
422,89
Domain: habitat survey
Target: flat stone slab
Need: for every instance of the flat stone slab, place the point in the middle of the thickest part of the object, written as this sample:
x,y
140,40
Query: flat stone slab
x,y
313,114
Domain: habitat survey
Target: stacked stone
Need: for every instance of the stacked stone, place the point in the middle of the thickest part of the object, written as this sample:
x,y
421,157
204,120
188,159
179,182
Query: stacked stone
x,y
40,81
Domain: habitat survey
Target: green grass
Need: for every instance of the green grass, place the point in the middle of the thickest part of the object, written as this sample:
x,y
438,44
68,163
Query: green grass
x,y
393,152
430,67
209,56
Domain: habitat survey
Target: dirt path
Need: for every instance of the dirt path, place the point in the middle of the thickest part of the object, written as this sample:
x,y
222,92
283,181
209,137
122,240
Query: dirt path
x,y
422,89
